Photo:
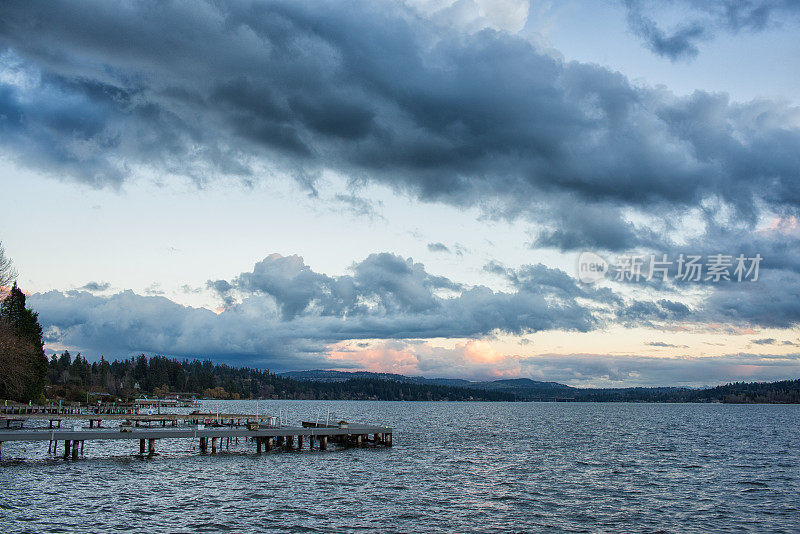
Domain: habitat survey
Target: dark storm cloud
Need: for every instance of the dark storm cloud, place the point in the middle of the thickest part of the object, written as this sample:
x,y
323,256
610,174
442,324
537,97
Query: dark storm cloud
x,y
359,206
601,226
378,93
679,44
222,288
438,247
127,323
766,297
764,341
662,344
386,291
540,278
773,301
705,18
606,370
648,313
96,286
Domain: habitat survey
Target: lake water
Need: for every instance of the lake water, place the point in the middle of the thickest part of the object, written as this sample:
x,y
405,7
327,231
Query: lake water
x,y
455,467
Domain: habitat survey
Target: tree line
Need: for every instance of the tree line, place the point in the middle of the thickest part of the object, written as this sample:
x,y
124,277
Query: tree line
x,y
74,378
782,392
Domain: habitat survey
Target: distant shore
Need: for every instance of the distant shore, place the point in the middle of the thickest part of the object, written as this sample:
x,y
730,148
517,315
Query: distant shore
x,y
74,379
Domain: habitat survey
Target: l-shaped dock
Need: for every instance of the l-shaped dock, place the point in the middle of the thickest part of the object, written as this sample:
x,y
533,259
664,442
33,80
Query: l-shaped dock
x,y
219,435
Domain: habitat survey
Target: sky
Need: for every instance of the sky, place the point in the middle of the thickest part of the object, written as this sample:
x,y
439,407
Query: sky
x,y
410,187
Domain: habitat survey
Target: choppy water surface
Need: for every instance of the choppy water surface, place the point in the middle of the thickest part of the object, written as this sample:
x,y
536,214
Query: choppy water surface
x,y
455,467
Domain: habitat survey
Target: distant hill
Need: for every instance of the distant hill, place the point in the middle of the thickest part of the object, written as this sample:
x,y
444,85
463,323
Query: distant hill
x,y
319,375
76,378
783,392
519,388
525,389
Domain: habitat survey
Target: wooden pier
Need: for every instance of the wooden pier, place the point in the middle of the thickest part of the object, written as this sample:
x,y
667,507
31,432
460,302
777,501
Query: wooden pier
x,y
173,419
265,438
108,408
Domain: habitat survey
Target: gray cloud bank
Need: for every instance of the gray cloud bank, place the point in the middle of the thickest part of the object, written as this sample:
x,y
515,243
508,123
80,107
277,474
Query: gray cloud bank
x,y
285,315
95,286
95,91
603,370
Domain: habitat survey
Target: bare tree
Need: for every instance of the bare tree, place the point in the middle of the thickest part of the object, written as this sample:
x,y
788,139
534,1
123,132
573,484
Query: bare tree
x,y
7,271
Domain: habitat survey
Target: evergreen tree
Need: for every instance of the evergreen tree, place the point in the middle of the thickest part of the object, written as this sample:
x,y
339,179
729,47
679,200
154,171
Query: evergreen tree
x,y
23,350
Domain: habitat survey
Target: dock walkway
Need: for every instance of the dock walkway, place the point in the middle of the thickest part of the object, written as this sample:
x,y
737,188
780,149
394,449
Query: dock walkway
x,y
173,419
266,438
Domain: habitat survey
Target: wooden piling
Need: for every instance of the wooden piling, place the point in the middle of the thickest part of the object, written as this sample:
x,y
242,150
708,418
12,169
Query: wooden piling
x,y
141,447
67,444
151,446
323,442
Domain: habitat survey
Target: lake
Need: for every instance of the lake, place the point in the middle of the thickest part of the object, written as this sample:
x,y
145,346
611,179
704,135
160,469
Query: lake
x,y
454,467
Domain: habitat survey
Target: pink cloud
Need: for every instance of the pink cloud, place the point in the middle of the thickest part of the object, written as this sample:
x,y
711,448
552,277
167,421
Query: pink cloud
x,y
478,359
785,225
469,359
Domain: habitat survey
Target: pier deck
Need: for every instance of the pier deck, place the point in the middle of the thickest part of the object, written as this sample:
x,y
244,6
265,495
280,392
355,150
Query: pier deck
x,y
268,438
190,418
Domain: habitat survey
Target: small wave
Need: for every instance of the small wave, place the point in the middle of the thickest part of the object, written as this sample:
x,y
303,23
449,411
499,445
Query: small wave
x,y
210,527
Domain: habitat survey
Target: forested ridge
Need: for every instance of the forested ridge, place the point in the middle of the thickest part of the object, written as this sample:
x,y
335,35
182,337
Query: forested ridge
x,y
74,378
